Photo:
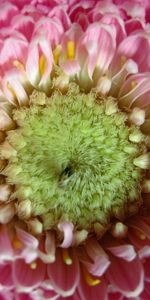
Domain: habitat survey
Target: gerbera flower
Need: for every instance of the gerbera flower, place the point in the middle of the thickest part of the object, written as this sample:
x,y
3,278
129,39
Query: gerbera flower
x,y
74,152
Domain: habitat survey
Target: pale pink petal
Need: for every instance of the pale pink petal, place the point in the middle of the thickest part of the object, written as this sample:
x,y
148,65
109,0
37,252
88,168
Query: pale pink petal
x,y
137,48
50,249
64,278
127,277
30,249
25,275
71,67
126,252
98,256
144,252
135,87
39,48
67,229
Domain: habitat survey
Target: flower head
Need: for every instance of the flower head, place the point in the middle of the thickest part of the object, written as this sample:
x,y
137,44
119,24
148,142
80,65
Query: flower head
x,y
74,150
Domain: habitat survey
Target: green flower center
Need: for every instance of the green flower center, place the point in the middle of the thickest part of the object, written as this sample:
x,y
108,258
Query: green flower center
x,y
73,159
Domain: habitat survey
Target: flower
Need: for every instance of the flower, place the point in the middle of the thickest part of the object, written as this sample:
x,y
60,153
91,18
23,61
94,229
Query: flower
x,y
74,152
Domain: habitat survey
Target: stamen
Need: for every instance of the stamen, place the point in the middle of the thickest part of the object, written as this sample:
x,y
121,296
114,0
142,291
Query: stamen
x,y
18,65
66,257
123,60
133,84
33,265
70,50
56,53
119,230
17,244
42,64
90,280
139,233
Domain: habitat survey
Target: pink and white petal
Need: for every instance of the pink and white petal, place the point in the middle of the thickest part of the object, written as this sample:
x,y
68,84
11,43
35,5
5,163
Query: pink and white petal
x,y
67,229
59,13
126,252
136,47
24,24
32,64
64,278
6,295
30,249
14,85
144,252
129,68
14,48
50,249
133,25
119,25
87,292
7,12
52,29
135,87
6,250
120,274
100,259
26,276
70,67
99,43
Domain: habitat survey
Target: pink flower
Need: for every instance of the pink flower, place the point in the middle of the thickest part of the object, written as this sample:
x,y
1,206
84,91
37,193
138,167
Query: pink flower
x,y
74,172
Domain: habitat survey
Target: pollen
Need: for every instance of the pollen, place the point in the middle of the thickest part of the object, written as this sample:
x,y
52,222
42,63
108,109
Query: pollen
x,y
42,64
70,50
56,53
66,257
90,280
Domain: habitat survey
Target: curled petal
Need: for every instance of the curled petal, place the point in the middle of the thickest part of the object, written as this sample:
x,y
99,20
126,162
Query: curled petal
x,y
125,252
67,229
50,249
98,256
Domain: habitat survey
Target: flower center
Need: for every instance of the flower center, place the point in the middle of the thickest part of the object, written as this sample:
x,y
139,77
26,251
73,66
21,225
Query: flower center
x,y
73,160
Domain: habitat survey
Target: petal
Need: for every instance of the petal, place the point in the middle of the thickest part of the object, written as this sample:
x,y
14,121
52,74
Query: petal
x,y
25,275
98,256
125,252
6,251
126,276
87,292
67,229
6,275
50,249
64,278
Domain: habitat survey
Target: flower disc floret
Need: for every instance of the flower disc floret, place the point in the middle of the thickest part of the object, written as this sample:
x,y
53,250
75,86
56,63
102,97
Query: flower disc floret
x,y
73,160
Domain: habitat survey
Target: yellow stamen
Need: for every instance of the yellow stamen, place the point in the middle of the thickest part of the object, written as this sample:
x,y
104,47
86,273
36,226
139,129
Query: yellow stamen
x,y
123,60
139,234
133,84
33,265
42,64
90,280
11,89
70,50
17,244
66,257
56,53
18,64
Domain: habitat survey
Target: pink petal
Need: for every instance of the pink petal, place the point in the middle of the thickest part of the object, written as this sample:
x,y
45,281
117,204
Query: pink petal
x,y
6,275
126,276
125,252
87,292
67,229
25,275
7,12
133,47
98,256
24,24
30,249
64,278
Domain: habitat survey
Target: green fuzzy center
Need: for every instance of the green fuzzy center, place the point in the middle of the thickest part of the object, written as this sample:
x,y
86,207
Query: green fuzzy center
x,y
73,161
